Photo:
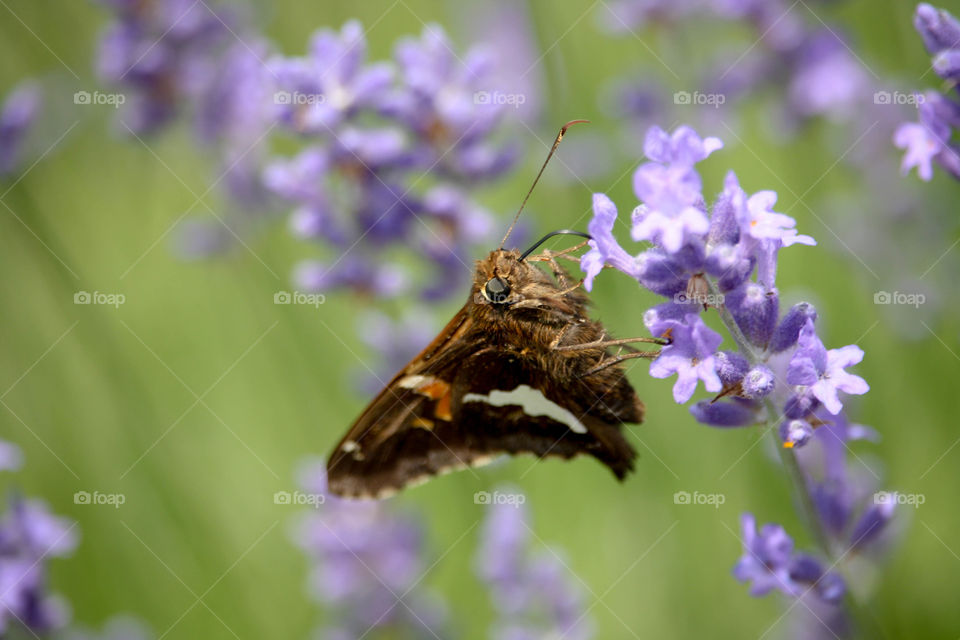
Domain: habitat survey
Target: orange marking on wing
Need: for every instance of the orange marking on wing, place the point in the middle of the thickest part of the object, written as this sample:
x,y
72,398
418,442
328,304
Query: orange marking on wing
x,y
434,389
443,411
423,423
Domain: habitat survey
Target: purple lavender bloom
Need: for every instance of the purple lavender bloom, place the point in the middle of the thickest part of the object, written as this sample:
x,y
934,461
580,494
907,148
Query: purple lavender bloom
x,y
928,140
766,559
11,457
374,134
770,563
733,413
782,370
670,190
788,331
367,561
447,102
795,433
532,592
315,94
755,308
938,28
690,355
30,534
824,371
761,222
161,54
604,248
827,79
354,271
17,115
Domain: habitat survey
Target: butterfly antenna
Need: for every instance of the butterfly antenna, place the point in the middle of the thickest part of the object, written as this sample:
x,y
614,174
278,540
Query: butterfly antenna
x,y
553,149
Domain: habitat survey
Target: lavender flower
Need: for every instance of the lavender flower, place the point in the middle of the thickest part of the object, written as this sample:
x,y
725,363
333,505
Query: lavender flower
x,y
928,140
532,592
11,457
29,536
366,564
770,563
161,54
779,373
17,115
373,131
823,371
689,355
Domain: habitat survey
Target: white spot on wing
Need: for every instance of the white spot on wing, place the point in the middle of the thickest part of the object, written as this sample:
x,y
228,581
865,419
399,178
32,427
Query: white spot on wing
x,y
532,402
349,446
412,382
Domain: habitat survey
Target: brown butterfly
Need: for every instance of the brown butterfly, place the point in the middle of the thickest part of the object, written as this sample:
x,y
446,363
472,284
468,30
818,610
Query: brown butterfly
x,y
520,368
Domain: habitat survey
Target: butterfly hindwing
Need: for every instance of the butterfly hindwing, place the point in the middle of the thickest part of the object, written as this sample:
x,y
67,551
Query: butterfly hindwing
x,y
456,410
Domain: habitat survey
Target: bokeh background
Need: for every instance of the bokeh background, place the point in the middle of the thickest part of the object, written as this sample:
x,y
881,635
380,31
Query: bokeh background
x,y
198,397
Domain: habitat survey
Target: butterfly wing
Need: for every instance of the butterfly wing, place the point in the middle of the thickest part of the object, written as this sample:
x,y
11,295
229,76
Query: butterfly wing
x,y
460,403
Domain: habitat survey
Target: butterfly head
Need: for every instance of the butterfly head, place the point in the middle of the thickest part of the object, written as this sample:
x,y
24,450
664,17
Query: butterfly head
x,y
504,279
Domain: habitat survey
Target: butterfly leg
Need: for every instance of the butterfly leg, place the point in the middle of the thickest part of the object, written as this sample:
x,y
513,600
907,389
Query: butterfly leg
x,y
602,344
550,257
603,364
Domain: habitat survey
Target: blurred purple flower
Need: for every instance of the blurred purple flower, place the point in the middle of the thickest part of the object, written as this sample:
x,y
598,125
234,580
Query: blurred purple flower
x,y
11,457
17,115
532,592
929,140
770,563
29,535
161,54
366,563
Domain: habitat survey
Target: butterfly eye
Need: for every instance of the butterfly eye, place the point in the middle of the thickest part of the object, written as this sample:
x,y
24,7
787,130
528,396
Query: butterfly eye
x,y
496,290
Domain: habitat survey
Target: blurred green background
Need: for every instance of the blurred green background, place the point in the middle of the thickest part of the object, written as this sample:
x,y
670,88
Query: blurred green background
x,y
198,397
